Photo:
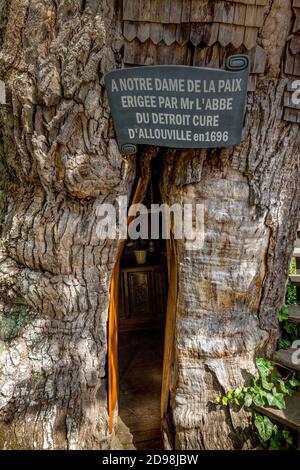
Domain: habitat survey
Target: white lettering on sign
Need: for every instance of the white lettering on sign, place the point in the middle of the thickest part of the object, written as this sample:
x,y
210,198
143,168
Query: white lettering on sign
x,y
161,102
198,106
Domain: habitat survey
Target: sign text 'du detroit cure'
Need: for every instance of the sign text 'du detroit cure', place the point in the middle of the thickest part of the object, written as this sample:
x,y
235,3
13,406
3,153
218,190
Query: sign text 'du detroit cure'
x,y
181,107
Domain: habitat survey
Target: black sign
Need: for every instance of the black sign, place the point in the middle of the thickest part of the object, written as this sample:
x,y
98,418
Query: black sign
x,y
179,106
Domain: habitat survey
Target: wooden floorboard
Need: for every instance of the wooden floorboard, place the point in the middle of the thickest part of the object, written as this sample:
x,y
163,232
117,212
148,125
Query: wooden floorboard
x,y
289,417
284,358
140,366
294,313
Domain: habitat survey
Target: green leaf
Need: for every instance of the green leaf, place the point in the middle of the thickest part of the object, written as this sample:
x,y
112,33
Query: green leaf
x,y
266,385
275,443
284,343
264,427
264,367
293,382
288,437
237,393
259,400
256,389
224,401
290,328
283,314
276,400
248,400
283,387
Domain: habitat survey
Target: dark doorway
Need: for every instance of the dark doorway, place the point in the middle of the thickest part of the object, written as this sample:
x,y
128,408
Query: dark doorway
x,y
143,290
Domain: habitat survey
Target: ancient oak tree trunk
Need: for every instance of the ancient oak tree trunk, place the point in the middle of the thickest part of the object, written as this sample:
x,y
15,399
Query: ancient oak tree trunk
x,y
59,161
230,292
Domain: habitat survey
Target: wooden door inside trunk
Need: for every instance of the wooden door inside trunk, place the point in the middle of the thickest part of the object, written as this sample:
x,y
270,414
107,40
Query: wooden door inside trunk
x,y
143,296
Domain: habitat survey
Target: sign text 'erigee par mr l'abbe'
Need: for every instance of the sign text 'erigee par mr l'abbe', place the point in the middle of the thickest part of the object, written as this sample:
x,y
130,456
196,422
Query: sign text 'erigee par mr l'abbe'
x,y
179,106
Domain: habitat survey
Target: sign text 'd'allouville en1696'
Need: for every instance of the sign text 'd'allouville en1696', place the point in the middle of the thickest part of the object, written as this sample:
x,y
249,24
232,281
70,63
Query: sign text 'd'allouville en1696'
x,y
179,106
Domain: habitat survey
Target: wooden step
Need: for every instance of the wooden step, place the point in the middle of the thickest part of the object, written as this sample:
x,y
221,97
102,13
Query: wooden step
x,y
289,417
295,279
294,313
296,252
284,358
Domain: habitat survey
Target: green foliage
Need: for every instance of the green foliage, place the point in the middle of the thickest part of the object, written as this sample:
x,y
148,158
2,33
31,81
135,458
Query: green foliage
x,y
283,314
270,435
289,329
291,292
268,390
284,343
264,427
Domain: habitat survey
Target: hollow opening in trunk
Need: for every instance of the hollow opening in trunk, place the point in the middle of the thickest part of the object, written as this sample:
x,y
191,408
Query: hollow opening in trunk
x,y
142,323
143,289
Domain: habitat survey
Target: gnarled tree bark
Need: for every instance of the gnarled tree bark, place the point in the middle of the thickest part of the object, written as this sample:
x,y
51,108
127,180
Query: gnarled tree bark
x,y
59,161
230,292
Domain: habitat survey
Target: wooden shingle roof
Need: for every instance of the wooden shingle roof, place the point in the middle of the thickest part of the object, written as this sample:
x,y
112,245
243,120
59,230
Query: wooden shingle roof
x,y
165,32
233,22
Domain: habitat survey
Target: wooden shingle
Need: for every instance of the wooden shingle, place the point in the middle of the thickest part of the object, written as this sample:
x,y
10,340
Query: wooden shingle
x,y
130,12
240,14
165,10
186,11
176,12
183,32
169,34
144,9
250,38
158,10
148,53
202,12
197,33
156,32
251,14
296,26
208,57
260,16
289,62
198,22
180,11
143,31
295,44
210,34
223,12
130,30
291,115
297,66
238,36
225,34
249,2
